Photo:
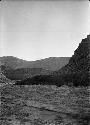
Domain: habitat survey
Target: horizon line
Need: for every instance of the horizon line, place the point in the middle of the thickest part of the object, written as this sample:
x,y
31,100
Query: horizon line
x,y
37,59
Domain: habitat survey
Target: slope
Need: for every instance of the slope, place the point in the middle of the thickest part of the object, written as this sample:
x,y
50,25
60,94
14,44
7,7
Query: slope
x,y
52,63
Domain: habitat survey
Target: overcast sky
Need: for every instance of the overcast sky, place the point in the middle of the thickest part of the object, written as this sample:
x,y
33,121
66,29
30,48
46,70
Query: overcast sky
x,y
33,30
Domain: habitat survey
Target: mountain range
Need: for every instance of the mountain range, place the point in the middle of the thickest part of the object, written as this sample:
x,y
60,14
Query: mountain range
x,y
18,69
76,72
51,63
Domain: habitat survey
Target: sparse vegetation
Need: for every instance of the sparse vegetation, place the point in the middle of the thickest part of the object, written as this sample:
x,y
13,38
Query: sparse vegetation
x,y
60,104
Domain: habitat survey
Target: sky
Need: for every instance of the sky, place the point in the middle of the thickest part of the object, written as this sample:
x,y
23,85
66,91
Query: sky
x,y
36,29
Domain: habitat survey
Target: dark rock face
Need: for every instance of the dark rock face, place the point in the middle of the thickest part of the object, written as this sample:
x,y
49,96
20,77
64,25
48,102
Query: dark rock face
x,y
80,63
81,58
77,71
78,68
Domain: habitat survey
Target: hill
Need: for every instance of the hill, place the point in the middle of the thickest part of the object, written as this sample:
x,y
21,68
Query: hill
x,y
76,72
17,69
78,68
11,61
52,63
23,73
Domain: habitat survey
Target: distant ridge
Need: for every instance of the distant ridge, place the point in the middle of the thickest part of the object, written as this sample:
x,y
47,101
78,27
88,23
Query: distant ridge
x,y
17,69
51,63
76,72
12,62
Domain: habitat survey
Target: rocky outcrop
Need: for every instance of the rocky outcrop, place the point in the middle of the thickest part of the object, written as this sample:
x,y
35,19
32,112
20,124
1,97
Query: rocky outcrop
x,y
78,68
80,61
3,79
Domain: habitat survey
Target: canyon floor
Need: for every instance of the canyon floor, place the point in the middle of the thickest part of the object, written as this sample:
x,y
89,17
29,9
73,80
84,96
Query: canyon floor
x,y
44,105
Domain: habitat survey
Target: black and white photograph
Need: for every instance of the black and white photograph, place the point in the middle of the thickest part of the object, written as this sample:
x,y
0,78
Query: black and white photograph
x,y
44,62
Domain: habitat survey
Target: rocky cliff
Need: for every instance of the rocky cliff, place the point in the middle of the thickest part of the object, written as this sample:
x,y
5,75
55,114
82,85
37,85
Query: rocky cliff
x,y
78,68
